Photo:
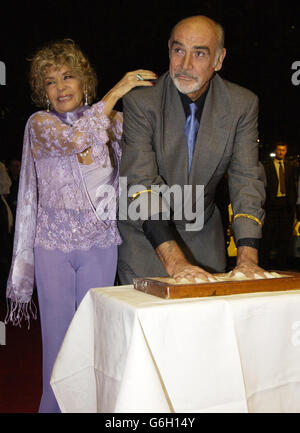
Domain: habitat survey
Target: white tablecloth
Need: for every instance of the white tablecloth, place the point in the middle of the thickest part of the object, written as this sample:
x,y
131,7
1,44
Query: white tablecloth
x,y
130,352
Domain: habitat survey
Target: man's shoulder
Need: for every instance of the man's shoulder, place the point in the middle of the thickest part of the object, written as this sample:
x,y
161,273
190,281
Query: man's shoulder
x,y
149,95
289,165
153,96
233,90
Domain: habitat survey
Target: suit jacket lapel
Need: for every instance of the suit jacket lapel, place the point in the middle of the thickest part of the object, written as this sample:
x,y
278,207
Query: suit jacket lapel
x,y
288,175
211,139
174,140
274,181
212,135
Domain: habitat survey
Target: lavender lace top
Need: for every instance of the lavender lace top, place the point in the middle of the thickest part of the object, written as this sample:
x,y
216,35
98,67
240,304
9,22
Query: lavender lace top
x,y
55,210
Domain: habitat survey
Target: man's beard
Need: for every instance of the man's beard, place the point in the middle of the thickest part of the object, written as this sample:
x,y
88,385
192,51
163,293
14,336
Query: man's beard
x,y
186,88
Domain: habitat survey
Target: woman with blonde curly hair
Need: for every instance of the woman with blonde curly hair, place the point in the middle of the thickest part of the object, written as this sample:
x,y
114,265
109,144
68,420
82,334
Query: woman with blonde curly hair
x,y
66,235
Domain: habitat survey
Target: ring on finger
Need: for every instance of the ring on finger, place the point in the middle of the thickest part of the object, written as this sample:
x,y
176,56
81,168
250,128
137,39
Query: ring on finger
x,y
139,77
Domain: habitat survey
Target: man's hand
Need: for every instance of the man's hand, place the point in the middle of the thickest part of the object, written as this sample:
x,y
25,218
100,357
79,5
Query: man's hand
x,y
247,263
177,266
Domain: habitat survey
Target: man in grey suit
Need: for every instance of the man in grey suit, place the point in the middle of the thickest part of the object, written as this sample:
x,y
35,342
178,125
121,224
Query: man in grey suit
x,y
280,206
159,124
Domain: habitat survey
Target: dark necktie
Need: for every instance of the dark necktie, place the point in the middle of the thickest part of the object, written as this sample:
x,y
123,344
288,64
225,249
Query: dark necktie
x,y
191,128
281,179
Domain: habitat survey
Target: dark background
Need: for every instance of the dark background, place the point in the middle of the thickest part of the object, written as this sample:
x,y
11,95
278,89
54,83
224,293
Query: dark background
x,y
262,41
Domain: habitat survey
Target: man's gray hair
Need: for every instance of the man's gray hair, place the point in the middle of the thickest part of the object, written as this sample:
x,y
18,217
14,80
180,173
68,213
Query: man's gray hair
x,y
221,41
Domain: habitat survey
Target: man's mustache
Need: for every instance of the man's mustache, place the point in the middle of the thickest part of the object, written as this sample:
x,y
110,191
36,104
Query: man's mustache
x,y
185,74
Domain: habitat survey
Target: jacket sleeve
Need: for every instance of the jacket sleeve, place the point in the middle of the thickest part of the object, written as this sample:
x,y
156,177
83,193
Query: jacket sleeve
x,y
246,176
139,170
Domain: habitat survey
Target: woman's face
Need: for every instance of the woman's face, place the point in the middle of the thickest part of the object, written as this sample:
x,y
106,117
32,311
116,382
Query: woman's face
x,y
64,90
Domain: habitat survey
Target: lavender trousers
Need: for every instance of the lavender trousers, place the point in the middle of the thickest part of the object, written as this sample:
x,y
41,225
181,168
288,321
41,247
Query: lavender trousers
x,y
62,280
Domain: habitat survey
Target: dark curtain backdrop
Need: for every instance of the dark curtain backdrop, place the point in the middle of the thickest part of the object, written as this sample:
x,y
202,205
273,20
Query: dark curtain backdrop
x,y
262,41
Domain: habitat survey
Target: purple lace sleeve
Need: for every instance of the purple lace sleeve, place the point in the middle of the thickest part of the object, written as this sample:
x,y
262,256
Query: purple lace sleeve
x,y
21,278
117,125
115,132
52,137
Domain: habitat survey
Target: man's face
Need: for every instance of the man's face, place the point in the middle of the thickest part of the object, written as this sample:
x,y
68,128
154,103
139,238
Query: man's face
x,y
193,56
280,152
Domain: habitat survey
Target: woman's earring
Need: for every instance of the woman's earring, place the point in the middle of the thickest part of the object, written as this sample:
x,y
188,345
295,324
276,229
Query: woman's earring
x,y
48,106
86,99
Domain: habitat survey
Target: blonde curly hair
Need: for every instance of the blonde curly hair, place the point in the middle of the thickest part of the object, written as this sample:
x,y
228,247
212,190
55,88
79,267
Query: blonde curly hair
x,y
56,54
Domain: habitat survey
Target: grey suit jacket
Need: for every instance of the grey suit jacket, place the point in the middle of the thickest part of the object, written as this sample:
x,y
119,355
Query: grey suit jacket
x,y
155,153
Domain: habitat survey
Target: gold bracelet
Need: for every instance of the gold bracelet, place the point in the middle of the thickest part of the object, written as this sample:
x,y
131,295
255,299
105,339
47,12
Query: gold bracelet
x,y
135,195
246,215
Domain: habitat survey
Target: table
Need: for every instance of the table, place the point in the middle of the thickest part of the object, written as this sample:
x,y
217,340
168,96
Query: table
x,y
127,351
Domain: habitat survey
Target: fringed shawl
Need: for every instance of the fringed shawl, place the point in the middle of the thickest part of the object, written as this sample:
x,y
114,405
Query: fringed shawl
x,y
20,283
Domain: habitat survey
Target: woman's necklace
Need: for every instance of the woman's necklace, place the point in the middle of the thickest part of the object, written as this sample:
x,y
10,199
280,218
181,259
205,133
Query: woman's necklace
x,y
85,152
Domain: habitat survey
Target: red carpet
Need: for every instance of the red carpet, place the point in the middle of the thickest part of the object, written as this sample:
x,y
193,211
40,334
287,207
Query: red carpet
x,y
20,367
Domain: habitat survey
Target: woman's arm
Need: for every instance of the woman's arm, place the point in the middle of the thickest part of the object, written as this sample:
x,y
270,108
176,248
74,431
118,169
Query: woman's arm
x,y
51,137
128,82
